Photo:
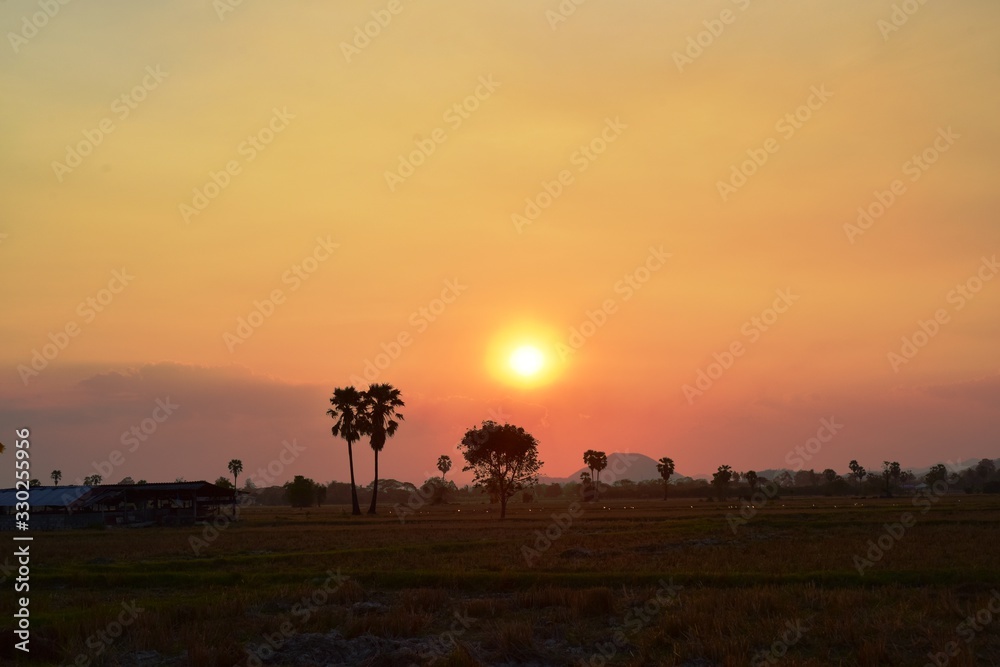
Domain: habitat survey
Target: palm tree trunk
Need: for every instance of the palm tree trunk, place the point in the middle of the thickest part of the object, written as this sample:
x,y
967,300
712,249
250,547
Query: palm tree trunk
x,y
666,488
355,508
371,510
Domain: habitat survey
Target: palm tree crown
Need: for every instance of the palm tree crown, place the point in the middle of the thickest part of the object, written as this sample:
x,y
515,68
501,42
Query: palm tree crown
x,y
235,468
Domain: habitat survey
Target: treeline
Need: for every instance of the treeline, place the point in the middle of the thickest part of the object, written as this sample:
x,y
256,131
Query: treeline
x,y
982,477
304,492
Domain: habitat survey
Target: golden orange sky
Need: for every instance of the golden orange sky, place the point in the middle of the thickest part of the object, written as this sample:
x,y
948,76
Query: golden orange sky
x,y
718,222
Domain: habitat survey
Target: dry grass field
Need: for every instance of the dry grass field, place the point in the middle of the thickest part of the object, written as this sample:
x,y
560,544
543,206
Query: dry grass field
x,y
638,583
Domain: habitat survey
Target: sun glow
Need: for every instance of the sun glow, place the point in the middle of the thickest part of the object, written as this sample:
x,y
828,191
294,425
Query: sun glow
x,y
527,360
525,355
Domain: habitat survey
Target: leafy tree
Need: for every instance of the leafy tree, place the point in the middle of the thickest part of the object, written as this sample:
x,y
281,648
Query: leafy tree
x,y
503,459
784,479
350,425
752,480
587,487
937,473
859,472
665,466
92,480
890,472
300,492
127,480
381,421
830,475
436,488
140,482
56,476
806,478
553,490
444,464
224,483
235,468
721,479
985,469
34,483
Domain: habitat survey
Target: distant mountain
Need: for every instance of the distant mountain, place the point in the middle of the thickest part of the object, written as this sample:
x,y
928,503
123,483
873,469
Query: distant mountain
x,y
636,467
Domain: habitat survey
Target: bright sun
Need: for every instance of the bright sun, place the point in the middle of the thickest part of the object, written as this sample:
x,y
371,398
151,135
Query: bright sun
x,y
525,354
527,360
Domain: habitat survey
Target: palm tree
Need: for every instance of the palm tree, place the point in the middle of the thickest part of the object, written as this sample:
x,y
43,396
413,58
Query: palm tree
x,y
444,465
600,463
56,476
379,405
347,410
859,472
596,461
721,479
235,468
665,467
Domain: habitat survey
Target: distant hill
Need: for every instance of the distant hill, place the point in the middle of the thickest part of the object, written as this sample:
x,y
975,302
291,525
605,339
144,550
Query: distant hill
x,y
636,467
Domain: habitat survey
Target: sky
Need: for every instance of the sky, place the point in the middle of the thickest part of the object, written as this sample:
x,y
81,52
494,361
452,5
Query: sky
x,y
736,232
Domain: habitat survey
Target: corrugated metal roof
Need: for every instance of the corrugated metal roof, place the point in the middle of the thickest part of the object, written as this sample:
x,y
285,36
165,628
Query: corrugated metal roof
x,y
61,496
45,496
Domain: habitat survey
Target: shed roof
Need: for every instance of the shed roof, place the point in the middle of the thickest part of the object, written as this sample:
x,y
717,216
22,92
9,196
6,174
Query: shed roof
x,y
45,496
62,496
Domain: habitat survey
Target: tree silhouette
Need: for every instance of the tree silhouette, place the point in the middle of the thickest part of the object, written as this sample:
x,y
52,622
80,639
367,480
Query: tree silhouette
x,y
890,471
503,459
600,463
596,461
859,472
235,468
381,421
93,480
444,465
350,424
56,476
830,475
985,469
937,473
721,479
587,482
665,467
300,492
751,477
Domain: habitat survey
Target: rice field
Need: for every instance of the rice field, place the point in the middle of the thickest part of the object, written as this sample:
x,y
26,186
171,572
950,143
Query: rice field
x,y
819,581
